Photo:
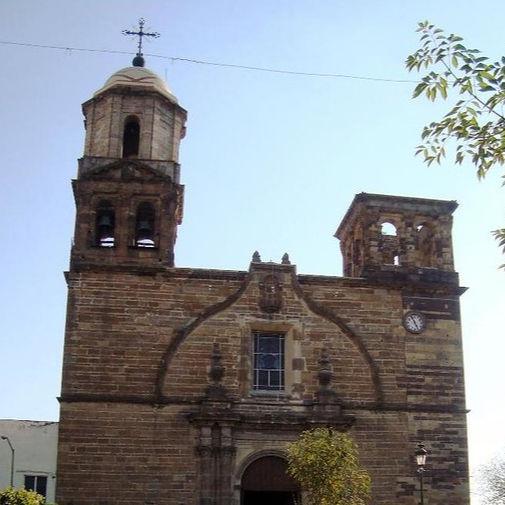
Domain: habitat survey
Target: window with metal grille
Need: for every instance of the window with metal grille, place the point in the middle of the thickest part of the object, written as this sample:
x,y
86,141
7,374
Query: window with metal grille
x,y
268,361
37,483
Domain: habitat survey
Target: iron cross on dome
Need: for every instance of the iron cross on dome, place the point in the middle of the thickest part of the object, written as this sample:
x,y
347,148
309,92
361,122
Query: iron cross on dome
x,y
138,61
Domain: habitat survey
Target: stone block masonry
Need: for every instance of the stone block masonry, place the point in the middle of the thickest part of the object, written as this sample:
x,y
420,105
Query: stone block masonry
x,y
183,386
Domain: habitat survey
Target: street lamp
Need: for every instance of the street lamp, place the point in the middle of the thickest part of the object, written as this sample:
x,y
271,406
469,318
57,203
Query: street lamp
x,y
3,437
421,454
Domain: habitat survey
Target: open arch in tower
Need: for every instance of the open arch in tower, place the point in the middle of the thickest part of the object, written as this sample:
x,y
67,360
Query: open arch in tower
x,y
131,137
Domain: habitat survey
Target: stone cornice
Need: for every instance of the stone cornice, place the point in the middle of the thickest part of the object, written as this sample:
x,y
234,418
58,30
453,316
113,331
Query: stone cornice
x,y
180,400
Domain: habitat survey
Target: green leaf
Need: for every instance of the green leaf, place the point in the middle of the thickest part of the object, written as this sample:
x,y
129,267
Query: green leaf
x,y
477,123
419,89
484,74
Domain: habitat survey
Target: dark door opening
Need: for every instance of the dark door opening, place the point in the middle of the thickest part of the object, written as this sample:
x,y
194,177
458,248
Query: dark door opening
x,y
269,498
266,482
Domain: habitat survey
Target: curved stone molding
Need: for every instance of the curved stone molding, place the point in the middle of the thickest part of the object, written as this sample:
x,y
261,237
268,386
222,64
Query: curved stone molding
x,y
252,457
329,315
313,306
184,331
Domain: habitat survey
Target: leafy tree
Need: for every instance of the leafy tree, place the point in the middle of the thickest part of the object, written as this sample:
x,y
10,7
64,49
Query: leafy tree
x,y
492,481
476,122
11,496
325,463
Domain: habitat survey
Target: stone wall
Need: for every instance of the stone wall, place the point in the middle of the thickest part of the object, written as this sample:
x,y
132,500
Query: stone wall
x,y
137,412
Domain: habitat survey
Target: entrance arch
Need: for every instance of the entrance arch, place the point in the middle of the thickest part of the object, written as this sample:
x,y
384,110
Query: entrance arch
x,y
265,482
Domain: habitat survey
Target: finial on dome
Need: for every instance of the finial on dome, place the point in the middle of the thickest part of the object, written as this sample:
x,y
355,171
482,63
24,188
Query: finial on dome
x,y
139,61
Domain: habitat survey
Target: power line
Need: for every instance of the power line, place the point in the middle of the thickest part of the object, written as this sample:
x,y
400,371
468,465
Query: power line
x,y
214,63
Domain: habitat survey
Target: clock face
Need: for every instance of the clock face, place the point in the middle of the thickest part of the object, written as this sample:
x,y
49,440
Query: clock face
x,y
414,322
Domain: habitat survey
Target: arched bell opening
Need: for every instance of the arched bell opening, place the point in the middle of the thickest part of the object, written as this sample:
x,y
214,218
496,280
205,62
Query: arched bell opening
x,y
388,229
266,482
131,137
389,244
144,225
426,245
105,224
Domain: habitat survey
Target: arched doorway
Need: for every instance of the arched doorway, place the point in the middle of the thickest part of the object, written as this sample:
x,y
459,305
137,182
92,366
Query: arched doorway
x,y
266,482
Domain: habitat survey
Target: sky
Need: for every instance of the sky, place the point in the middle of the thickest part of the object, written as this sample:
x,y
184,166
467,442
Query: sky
x,y
270,161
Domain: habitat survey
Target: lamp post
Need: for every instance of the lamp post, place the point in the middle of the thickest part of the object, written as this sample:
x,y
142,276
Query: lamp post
x,y
421,454
3,437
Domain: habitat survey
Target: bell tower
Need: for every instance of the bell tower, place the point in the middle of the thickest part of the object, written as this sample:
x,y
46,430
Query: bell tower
x,y
395,237
128,194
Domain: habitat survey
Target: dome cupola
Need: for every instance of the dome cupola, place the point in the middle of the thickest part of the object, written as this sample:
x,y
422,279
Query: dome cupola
x,y
134,115
138,78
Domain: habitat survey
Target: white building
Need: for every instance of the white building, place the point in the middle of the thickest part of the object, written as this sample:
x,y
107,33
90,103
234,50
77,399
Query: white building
x,y
35,447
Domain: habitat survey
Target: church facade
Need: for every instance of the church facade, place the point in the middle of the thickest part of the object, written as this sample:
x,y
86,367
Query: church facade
x,y
183,386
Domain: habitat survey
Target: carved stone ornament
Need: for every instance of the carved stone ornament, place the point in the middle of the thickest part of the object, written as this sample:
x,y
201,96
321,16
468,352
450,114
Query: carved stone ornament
x,y
128,171
325,374
215,390
325,394
270,299
216,371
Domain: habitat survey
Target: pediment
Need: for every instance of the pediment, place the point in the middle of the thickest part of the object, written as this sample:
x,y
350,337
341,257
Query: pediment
x,y
126,170
271,300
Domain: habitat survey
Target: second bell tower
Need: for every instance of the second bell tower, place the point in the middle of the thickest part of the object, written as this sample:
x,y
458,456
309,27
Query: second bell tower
x,y
128,194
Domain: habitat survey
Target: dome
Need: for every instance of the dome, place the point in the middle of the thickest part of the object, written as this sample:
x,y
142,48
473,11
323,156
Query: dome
x,y
138,77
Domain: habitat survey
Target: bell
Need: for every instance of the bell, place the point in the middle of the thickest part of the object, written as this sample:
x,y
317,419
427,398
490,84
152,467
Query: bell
x,y
104,221
105,226
144,230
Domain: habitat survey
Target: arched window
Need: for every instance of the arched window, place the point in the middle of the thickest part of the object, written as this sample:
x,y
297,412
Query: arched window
x,y
131,137
388,229
389,243
144,225
105,224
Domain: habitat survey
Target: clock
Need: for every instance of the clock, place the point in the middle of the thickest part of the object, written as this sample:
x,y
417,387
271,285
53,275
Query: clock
x,y
415,322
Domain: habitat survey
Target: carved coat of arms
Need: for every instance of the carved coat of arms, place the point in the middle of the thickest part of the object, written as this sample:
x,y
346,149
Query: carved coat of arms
x,y
270,299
